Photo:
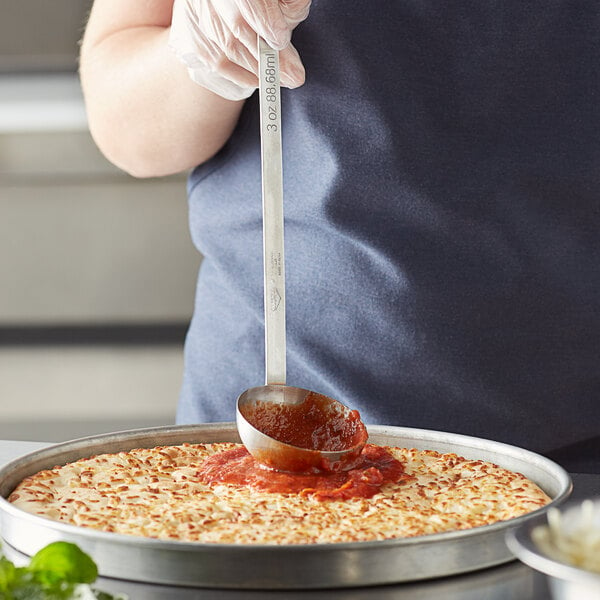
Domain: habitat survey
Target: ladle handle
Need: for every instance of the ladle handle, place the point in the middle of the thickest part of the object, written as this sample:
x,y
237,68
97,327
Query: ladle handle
x,y
272,203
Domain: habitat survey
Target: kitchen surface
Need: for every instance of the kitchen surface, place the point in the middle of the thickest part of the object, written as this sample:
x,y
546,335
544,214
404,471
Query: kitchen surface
x,y
97,268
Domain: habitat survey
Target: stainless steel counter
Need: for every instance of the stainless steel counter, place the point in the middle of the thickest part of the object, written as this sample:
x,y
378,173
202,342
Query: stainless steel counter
x,y
511,581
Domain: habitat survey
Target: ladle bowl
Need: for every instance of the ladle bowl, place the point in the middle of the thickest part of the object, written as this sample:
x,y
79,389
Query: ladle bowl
x,y
293,429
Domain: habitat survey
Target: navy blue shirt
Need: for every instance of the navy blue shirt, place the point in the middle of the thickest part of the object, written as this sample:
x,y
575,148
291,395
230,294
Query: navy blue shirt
x,y
442,189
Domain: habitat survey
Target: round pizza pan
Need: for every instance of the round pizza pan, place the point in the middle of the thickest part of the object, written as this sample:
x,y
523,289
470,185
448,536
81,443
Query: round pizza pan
x,y
277,566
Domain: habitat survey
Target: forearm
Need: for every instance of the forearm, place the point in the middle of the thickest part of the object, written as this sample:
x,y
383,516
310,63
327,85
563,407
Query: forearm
x,y
144,112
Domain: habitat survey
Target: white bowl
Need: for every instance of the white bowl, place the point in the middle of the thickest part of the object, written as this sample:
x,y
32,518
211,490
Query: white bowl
x,y
565,545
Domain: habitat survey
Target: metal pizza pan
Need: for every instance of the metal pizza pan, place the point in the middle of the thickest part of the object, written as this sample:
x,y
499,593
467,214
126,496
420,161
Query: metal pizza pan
x,y
261,566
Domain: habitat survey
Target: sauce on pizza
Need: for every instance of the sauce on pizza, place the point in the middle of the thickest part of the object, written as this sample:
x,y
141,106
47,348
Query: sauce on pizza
x,y
375,468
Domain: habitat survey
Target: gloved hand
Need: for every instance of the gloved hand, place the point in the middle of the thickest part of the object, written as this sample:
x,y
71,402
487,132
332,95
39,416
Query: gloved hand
x,y
217,41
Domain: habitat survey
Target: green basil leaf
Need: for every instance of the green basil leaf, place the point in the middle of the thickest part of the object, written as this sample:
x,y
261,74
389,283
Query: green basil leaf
x,y
63,562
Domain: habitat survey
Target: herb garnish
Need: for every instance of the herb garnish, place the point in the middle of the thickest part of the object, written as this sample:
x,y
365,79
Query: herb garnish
x,y
59,571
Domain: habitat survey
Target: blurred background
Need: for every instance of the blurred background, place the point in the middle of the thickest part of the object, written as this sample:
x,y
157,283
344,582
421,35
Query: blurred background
x,y
97,270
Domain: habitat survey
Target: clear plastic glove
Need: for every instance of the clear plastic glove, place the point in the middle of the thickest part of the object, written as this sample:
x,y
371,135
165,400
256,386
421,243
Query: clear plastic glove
x,y
217,41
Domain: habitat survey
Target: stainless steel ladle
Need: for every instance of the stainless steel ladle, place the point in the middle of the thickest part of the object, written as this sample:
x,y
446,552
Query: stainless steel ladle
x,y
266,415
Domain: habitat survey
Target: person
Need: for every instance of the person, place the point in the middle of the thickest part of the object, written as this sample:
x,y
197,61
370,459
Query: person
x,y
441,185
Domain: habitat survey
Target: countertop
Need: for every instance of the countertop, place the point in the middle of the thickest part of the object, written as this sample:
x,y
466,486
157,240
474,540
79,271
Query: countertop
x,y
513,581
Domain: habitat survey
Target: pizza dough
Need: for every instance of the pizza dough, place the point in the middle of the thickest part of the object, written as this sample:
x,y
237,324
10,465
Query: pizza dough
x,y
154,492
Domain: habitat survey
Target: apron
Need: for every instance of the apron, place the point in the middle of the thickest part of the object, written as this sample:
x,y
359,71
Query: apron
x,y
441,189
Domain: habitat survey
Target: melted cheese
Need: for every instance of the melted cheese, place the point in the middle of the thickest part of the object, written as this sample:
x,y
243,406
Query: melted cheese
x,y
155,493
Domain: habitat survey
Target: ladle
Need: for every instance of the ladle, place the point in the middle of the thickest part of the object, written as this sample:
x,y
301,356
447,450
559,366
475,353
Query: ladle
x,y
284,427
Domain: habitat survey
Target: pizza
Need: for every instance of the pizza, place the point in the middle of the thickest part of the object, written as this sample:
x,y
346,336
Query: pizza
x,y
164,492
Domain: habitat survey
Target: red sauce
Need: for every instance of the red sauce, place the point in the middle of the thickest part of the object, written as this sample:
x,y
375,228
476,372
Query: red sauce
x,y
376,466
314,424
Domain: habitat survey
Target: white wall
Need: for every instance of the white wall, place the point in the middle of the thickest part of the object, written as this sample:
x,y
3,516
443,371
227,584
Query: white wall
x,y
83,244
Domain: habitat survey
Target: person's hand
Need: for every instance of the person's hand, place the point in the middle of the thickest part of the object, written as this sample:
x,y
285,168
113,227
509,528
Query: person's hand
x,y
217,41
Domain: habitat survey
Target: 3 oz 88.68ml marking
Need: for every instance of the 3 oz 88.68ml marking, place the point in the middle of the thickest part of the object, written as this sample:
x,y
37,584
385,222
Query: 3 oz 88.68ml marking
x,y
271,92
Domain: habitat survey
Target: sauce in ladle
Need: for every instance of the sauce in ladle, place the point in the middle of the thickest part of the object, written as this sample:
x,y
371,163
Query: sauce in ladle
x,y
308,432
315,424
